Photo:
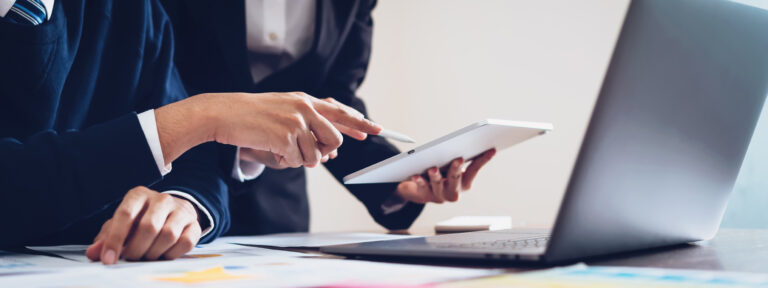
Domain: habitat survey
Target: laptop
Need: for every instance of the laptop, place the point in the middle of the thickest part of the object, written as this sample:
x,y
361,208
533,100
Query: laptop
x,y
665,142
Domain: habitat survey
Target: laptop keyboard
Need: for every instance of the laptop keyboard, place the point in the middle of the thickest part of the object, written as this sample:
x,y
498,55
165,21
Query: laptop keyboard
x,y
502,245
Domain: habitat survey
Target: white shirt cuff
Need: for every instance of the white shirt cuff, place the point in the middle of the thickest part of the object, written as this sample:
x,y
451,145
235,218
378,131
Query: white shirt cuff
x,y
246,170
199,206
149,126
393,204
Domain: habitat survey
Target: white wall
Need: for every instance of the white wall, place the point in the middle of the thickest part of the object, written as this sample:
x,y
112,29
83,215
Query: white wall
x,y
439,65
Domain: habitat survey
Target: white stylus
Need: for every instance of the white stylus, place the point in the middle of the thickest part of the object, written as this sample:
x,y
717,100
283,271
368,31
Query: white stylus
x,y
396,136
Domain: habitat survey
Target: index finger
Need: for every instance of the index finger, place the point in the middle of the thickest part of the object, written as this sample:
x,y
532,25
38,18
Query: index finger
x,y
94,251
122,223
342,114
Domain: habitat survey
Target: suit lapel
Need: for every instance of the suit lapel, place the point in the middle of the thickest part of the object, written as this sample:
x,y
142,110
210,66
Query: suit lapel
x,y
332,24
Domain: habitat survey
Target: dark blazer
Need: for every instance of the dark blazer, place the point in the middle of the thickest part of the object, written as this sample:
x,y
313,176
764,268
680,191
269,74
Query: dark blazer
x,y
212,57
70,143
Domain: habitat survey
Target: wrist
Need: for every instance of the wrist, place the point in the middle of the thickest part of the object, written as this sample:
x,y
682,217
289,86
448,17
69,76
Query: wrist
x,y
181,126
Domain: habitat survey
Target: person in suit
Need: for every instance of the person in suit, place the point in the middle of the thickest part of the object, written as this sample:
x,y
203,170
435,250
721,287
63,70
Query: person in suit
x,y
318,47
76,156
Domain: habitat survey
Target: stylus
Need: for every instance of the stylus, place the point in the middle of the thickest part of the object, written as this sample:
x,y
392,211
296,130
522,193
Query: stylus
x,y
396,136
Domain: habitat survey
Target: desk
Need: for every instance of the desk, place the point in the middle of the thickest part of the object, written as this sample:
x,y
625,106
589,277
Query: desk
x,y
737,250
731,250
743,250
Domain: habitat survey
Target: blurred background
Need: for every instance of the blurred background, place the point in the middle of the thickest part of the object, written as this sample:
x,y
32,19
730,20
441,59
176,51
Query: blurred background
x,y
439,65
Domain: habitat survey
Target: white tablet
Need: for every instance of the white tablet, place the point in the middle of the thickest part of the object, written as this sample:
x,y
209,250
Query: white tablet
x,y
467,143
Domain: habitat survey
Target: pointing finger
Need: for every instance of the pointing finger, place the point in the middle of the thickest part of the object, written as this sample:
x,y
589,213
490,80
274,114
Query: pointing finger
x,y
342,114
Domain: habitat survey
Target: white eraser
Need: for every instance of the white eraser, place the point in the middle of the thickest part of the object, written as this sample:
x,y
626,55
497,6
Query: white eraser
x,y
473,223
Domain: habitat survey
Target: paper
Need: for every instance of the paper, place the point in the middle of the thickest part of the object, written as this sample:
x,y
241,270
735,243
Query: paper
x,y
217,248
16,264
252,271
224,247
223,263
579,276
312,240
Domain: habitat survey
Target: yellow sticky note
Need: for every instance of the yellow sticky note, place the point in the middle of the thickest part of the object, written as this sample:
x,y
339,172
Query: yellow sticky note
x,y
208,275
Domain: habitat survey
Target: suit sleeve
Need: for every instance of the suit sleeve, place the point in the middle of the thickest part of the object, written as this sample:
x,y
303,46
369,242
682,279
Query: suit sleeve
x,y
196,172
344,77
51,180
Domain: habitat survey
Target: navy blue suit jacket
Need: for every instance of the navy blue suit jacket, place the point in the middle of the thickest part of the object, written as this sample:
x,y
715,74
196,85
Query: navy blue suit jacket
x,y
212,57
70,143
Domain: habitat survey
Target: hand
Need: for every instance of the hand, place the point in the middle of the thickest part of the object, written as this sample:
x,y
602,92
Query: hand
x,y
439,187
272,160
147,225
298,128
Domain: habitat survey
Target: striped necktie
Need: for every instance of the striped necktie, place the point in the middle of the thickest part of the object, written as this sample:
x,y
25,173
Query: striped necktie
x,y
28,12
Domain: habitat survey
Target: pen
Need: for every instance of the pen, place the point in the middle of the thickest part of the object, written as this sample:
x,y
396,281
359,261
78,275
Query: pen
x,y
396,136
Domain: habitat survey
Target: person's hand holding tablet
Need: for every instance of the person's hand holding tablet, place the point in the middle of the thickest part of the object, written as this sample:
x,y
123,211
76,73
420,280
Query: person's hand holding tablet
x,y
439,186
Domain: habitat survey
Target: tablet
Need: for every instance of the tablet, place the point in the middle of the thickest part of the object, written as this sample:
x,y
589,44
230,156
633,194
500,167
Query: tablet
x,y
467,143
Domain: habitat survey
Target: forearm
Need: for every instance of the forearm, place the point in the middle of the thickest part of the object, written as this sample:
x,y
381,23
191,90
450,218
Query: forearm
x,y
185,124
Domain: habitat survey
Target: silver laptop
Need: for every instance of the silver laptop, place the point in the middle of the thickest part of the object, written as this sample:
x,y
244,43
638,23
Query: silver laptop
x,y
664,145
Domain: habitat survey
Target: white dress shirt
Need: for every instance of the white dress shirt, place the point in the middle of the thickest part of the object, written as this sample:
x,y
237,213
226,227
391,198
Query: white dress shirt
x,y
278,32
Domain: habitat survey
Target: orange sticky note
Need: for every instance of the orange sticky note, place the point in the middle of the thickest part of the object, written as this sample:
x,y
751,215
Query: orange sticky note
x,y
208,275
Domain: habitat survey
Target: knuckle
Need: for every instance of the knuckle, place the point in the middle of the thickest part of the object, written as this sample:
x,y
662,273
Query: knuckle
x,y
296,122
138,190
302,103
300,94
123,212
165,198
340,110
148,227
337,140
186,244
169,233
